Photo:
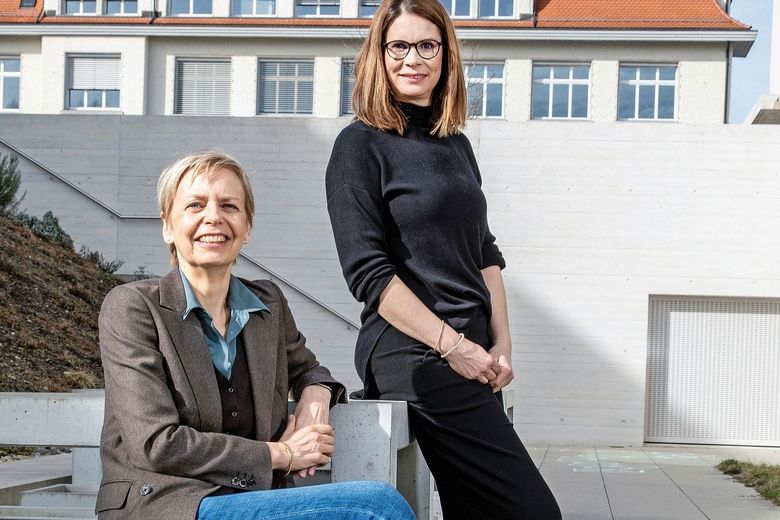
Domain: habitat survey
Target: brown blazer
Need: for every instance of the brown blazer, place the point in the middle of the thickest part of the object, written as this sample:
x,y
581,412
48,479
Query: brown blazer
x,y
162,446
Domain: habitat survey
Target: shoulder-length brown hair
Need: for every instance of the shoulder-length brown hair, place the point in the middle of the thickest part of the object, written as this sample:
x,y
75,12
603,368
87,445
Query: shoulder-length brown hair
x,y
373,100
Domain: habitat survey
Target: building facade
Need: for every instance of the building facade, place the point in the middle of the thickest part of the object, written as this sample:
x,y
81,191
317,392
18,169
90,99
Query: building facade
x,y
549,59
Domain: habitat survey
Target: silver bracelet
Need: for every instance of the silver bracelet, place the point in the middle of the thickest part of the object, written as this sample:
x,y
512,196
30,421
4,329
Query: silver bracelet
x,y
459,343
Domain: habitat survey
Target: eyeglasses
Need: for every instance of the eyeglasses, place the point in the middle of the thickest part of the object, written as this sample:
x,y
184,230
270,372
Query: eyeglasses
x,y
399,49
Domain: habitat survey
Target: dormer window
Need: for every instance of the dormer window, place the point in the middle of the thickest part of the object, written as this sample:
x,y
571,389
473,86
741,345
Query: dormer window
x,y
80,6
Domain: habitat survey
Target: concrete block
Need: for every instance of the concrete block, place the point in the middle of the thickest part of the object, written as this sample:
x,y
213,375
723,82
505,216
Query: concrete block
x,y
60,495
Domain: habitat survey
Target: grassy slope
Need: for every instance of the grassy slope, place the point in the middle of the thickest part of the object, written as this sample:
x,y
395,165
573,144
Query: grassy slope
x,y
49,302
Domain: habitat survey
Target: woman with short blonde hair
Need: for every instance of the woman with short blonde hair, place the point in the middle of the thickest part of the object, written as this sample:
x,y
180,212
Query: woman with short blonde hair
x,y
410,223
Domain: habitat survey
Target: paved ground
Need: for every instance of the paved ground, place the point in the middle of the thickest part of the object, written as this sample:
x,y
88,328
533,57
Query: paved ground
x,y
650,483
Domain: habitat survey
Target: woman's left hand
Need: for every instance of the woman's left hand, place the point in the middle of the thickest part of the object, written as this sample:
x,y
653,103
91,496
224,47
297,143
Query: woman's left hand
x,y
502,354
313,408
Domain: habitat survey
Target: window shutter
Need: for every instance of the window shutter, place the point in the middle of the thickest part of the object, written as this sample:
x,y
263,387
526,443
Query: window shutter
x,y
93,72
285,87
202,87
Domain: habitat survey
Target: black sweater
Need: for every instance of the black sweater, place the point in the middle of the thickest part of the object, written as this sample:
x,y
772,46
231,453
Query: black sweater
x,y
410,206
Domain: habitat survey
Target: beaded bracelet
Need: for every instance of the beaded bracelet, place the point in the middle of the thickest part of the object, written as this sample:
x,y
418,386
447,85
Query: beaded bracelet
x,y
459,343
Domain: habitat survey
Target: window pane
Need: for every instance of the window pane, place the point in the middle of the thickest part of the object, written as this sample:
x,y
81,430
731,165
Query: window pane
x,y
666,102
541,100
113,7
668,73
474,100
487,7
626,100
180,6
495,71
541,71
447,5
286,97
627,73
647,102
476,71
305,10
10,92
494,94
305,97
201,7
95,98
505,7
112,98
329,10
561,72
462,7
305,69
131,6
10,65
646,73
75,98
560,101
367,10
90,6
581,71
579,101
287,69
268,97
72,6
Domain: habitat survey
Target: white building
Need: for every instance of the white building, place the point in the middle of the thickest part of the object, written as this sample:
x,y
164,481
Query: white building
x,y
662,60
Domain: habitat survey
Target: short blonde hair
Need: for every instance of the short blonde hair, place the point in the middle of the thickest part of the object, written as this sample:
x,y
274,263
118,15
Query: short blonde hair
x,y
373,100
205,163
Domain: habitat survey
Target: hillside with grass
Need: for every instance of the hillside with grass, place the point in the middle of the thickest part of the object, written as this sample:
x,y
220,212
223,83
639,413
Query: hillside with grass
x,y
50,297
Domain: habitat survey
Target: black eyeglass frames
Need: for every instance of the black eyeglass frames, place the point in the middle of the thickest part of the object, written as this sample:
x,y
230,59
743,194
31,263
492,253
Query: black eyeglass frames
x,y
399,49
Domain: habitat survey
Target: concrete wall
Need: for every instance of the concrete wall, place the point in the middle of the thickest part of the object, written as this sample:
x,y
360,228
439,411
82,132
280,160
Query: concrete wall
x,y
625,211
148,70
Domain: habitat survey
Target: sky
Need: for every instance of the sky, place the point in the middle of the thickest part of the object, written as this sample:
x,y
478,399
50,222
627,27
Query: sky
x,y
750,76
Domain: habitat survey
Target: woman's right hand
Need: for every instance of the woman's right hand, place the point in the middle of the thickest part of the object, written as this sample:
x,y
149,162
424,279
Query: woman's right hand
x,y
311,446
473,362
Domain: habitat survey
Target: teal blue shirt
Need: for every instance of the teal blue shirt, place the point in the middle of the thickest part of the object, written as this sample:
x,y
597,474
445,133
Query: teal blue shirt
x,y
241,301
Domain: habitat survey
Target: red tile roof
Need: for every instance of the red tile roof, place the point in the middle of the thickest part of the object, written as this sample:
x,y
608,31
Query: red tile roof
x,y
633,14
550,14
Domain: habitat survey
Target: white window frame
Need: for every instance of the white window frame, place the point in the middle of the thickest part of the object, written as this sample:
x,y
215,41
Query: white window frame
x,y
190,13
452,4
317,7
485,81
123,11
196,59
85,107
495,10
656,83
81,8
254,13
8,74
550,81
278,79
346,110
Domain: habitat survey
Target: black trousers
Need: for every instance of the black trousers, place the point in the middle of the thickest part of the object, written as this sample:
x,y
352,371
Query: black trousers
x,y
482,470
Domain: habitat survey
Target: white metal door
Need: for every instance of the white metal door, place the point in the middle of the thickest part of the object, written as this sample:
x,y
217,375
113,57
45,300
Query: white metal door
x,y
713,371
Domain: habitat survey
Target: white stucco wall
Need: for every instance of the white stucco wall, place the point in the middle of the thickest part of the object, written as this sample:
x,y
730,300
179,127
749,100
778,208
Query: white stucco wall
x,y
132,52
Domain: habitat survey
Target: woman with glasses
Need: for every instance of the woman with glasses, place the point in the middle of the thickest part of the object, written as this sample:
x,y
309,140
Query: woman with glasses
x,y
410,223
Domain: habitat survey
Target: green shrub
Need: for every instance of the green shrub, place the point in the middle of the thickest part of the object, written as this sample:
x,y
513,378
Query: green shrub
x,y
47,226
10,179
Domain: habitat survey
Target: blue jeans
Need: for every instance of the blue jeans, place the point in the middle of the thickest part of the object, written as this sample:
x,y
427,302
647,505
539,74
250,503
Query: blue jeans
x,y
365,500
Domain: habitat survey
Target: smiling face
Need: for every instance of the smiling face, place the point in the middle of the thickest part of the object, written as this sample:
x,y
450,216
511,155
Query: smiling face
x,y
413,78
207,221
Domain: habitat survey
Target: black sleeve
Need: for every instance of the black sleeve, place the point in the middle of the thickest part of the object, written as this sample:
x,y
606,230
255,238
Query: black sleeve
x,y
356,207
491,254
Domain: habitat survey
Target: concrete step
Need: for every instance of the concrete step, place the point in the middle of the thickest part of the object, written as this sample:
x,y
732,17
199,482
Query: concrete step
x,y
60,496
48,513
